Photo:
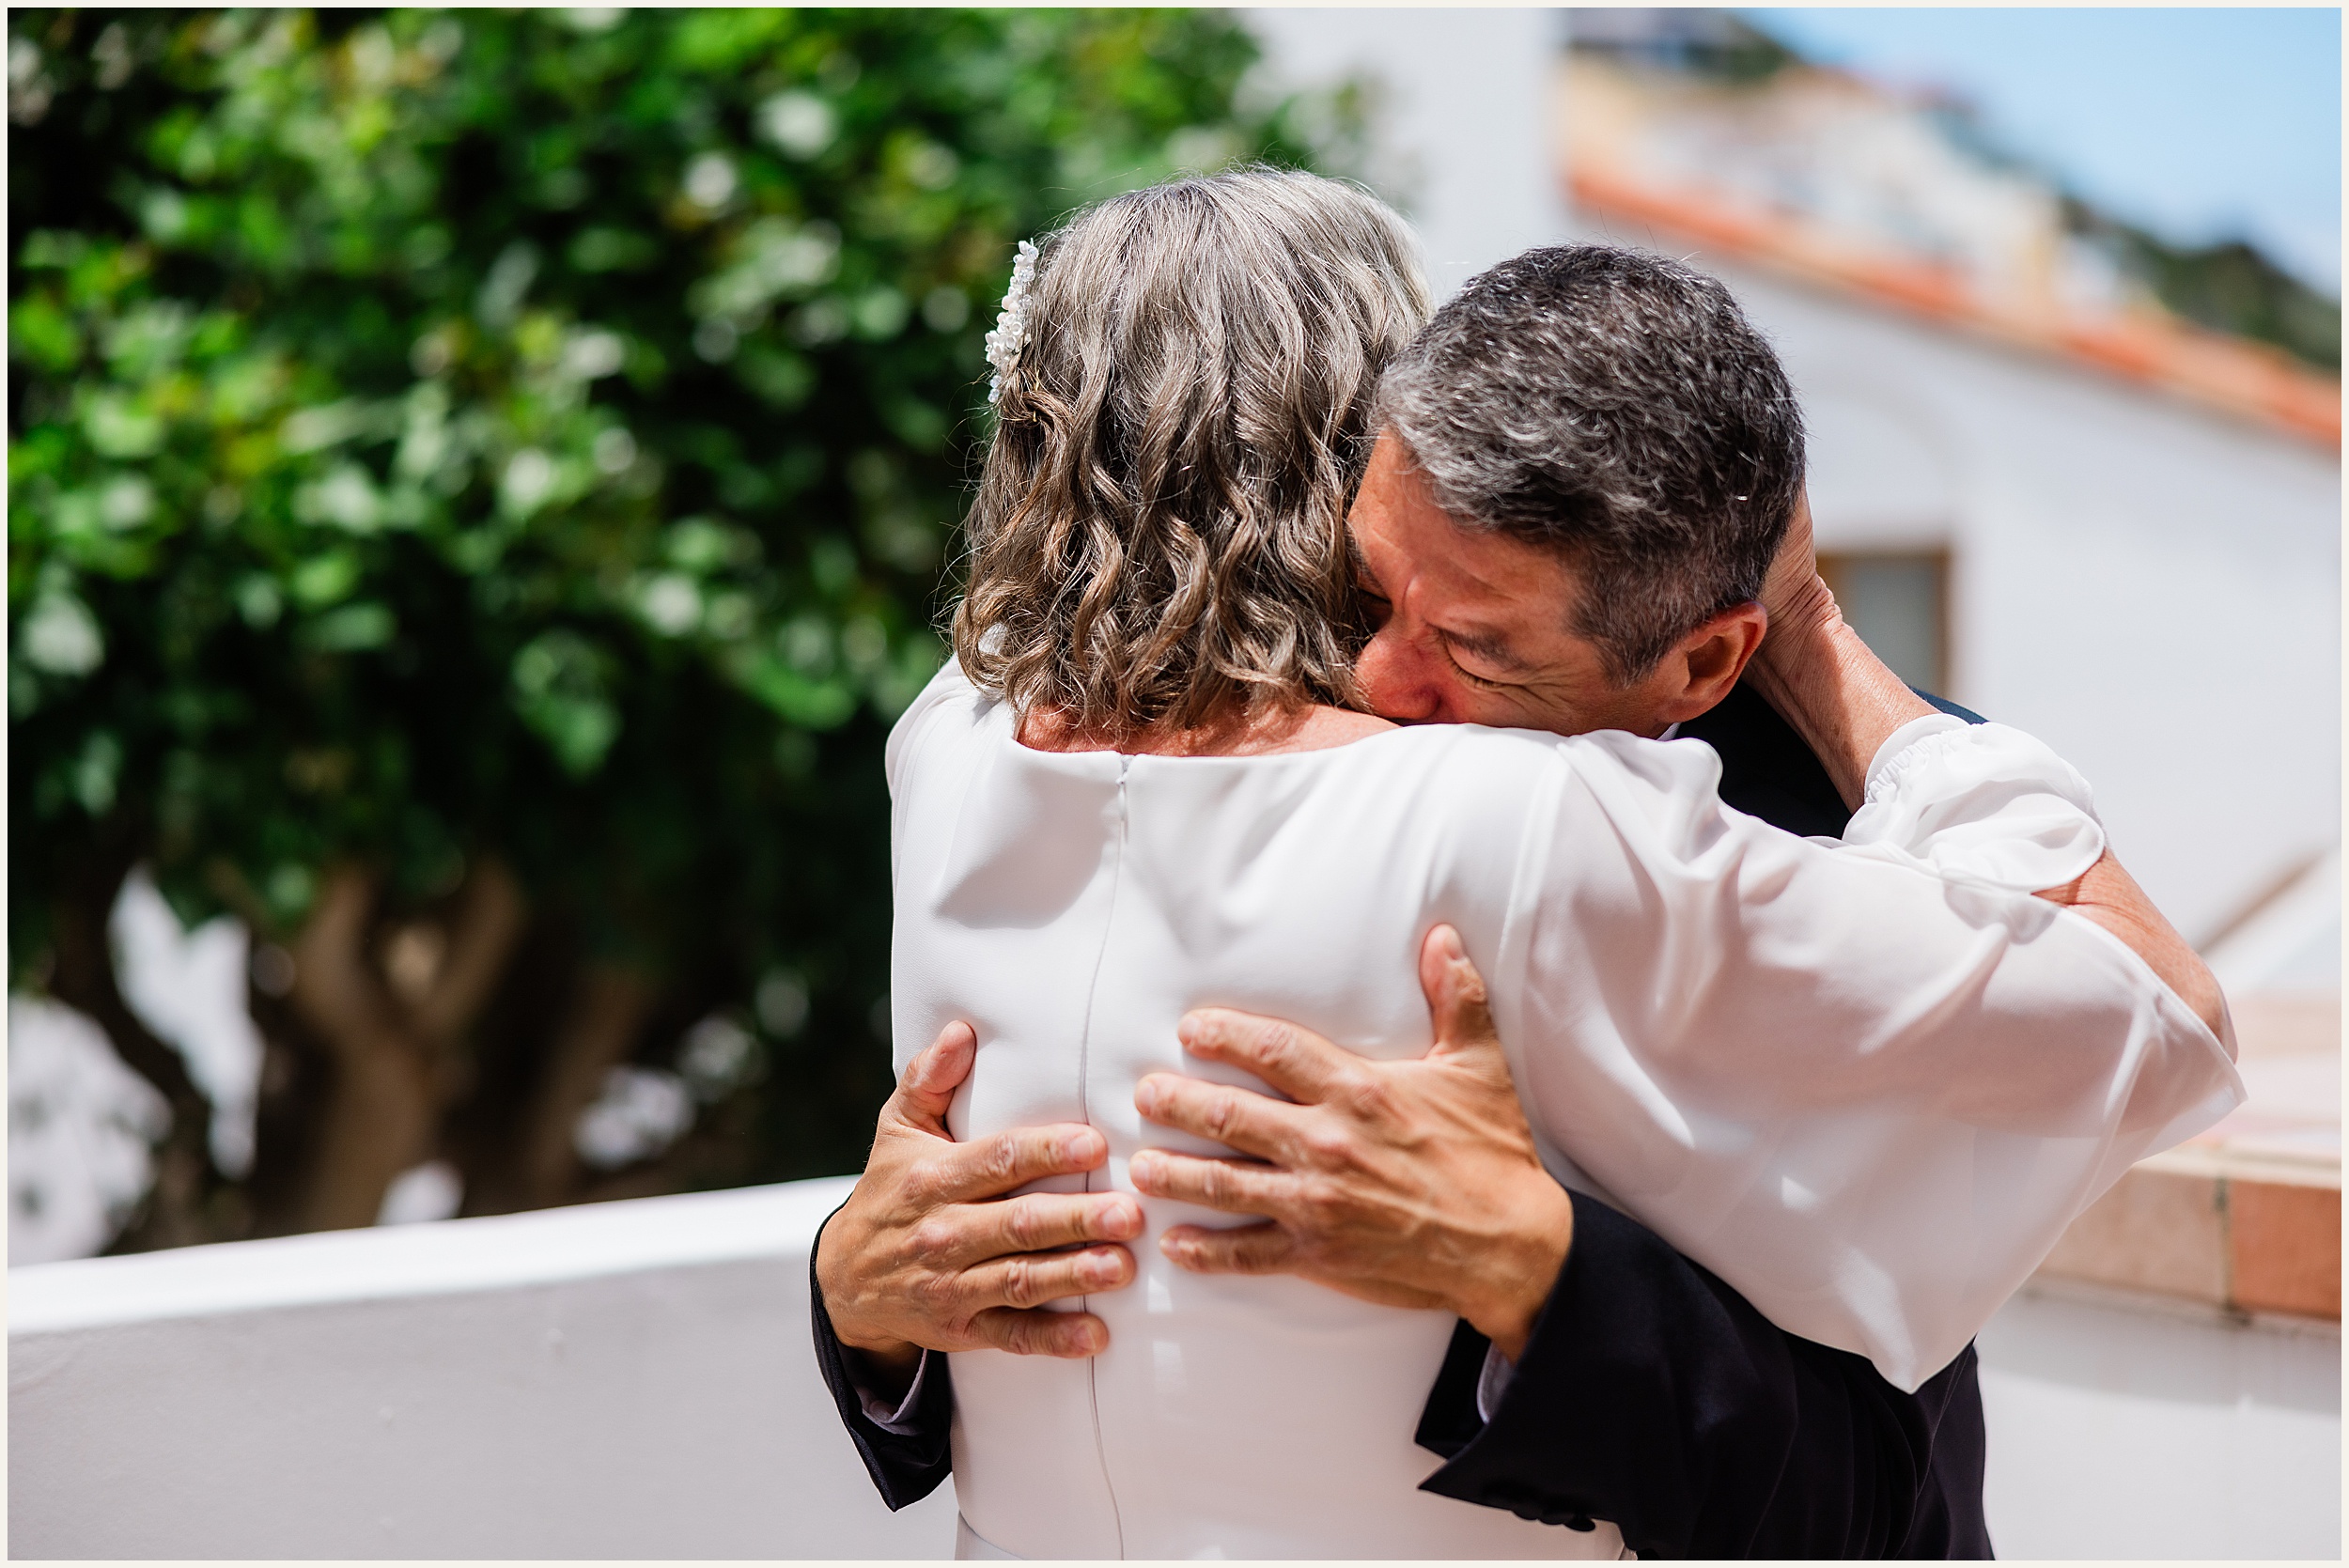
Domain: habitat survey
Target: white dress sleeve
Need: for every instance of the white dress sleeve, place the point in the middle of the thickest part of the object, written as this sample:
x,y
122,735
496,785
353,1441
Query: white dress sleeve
x,y
948,691
949,686
1868,1083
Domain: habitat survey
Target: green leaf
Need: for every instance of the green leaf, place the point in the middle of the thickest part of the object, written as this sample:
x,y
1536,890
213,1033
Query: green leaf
x,y
39,331
354,627
812,704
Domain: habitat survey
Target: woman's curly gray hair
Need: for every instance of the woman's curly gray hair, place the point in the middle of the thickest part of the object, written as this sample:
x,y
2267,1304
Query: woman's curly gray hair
x,y
1157,543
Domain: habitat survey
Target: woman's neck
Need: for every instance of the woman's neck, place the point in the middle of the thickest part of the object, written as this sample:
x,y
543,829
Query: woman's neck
x,y
1263,733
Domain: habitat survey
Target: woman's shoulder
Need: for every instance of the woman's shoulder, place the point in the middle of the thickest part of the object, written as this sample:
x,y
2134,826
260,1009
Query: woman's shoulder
x,y
950,701
1460,764
1616,773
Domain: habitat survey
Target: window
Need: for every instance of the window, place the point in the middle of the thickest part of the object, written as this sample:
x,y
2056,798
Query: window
x,y
1898,603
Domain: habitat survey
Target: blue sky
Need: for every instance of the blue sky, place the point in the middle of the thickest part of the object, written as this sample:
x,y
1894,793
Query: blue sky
x,y
2198,124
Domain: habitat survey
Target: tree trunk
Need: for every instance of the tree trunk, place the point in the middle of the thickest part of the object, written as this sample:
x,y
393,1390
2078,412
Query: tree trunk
x,y
83,977
394,1059
607,1010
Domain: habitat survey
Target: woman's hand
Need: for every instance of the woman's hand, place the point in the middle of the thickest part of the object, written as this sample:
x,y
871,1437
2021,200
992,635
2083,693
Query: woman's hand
x,y
1794,595
929,1253
1812,667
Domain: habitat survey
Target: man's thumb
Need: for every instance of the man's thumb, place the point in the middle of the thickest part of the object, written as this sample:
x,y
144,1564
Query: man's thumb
x,y
1456,1002
927,1086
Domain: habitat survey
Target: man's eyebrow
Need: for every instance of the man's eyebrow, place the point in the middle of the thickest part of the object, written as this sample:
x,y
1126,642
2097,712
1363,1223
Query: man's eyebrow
x,y
1490,647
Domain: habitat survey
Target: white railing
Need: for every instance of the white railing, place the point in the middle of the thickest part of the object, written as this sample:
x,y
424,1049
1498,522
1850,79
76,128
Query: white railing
x,y
635,1380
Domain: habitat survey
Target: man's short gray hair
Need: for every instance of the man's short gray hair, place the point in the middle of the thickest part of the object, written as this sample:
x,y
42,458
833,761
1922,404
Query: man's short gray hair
x,y
1617,408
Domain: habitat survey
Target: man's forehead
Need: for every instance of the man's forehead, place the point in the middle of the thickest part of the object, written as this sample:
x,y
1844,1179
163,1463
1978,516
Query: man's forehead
x,y
1485,585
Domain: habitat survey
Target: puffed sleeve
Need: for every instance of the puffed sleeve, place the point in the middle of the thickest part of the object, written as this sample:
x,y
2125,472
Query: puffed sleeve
x,y
1867,1083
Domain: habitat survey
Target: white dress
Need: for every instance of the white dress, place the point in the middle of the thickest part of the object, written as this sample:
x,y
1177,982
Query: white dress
x,y
1867,1083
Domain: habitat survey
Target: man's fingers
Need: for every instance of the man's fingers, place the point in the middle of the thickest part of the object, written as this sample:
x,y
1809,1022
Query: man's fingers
x,y
1234,1186
1238,1118
993,1166
1456,1002
927,1085
1296,1062
1033,1279
1070,1336
1249,1249
967,1233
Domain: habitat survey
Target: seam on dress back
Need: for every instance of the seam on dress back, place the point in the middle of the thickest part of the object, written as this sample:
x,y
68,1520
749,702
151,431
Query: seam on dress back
x,y
1084,1109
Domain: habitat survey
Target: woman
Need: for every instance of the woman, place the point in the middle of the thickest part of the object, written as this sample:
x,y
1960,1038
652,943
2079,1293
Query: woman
x,y
1145,787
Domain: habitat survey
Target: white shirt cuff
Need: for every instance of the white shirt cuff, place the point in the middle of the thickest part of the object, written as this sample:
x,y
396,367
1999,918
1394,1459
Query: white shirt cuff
x,y
1978,804
1493,1382
898,1421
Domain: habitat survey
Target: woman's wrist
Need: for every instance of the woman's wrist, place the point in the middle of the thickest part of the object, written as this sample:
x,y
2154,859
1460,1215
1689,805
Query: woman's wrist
x,y
1838,696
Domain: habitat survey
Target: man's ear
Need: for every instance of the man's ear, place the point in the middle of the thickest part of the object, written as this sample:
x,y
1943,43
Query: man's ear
x,y
1707,662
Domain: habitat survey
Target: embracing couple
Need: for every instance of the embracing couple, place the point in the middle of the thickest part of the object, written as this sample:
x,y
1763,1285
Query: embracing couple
x,y
1447,1006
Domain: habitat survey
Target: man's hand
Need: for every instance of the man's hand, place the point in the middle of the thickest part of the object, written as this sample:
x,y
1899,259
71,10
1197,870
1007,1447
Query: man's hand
x,y
927,1254
1414,1184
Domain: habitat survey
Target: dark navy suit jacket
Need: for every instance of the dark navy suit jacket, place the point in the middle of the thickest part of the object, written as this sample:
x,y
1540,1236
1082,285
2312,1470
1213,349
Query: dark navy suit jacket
x,y
1651,1394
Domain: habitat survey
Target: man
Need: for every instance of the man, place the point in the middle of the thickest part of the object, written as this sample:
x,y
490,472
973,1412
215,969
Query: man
x,y
1571,411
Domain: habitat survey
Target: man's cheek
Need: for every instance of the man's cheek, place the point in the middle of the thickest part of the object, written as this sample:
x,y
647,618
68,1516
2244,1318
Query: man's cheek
x,y
1527,711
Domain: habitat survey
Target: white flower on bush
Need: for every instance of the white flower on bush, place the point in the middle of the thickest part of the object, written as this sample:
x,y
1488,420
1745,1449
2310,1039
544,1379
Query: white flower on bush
x,y
799,123
641,1112
60,636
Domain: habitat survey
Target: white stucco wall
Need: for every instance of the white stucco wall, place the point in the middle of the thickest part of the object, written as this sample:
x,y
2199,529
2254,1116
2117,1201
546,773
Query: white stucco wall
x,y
1460,139
636,1380
2152,588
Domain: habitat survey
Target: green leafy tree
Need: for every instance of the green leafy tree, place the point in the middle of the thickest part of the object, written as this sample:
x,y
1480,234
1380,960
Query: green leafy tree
x,y
478,489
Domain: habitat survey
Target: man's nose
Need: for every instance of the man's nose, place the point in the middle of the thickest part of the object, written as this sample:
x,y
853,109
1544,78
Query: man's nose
x,y
1395,678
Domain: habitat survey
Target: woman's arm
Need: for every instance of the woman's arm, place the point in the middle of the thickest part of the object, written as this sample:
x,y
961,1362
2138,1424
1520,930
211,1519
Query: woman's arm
x,y
1846,704
1866,1084
2110,897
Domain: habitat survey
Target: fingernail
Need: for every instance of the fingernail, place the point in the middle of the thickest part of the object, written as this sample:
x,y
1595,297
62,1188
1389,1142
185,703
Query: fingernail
x,y
1143,1167
1077,1146
1146,1096
1124,1220
1188,1030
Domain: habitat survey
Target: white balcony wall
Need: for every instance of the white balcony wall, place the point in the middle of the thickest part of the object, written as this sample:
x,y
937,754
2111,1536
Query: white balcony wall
x,y
623,1380
636,1380
2128,1427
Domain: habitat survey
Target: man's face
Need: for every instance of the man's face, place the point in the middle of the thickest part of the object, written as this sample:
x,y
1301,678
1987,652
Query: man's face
x,y
1473,627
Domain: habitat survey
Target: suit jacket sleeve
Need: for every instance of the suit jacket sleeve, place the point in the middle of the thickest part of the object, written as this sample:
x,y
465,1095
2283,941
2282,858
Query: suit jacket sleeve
x,y
1719,1434
1654,1396
906,1467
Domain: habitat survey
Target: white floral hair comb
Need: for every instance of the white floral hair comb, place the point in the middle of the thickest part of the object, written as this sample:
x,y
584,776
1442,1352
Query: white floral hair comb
x,y
1011,328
